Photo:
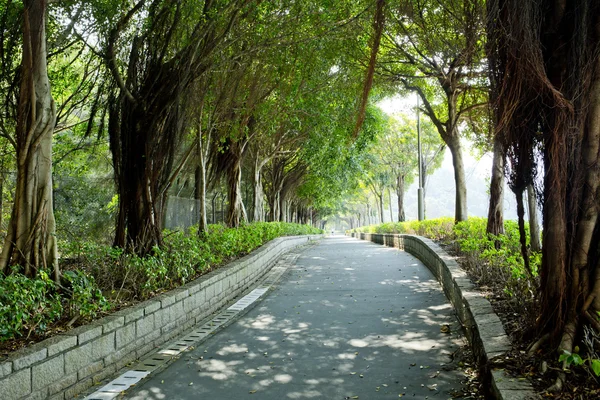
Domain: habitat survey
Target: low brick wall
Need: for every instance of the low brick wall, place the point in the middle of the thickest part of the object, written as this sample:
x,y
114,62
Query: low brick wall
x,y
65,365
483,327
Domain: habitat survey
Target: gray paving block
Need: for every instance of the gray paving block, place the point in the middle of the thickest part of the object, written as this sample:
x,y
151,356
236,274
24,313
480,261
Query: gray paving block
x,y
16,385
78,388
5,368
111,322
41,394
505,381
86,333
78,358
62,383
47,372
120,354
103,346
27,356
90,369
106,372
151,306
125,335
180,294
60,343
161,318
131,313
144,326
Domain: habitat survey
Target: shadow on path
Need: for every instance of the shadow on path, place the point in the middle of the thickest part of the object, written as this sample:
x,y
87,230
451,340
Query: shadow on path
x,y
351,318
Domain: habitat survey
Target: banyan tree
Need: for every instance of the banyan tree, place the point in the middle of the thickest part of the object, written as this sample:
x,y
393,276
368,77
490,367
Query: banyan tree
x,y
545,70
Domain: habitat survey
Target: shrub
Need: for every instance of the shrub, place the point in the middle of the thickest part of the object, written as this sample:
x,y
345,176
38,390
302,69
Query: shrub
x,y
86,298
184,256
27,305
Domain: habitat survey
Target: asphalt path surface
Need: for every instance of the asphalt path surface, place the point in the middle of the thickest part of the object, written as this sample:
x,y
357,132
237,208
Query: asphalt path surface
x,y
350,320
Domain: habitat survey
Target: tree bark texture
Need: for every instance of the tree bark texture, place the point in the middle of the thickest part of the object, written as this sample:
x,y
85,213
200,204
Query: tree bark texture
x,y
31,237
400,193
545,75
236,213
201,188
460,183
495,222
534,225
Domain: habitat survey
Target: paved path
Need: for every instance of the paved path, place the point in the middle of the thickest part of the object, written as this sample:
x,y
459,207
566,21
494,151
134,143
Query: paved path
x,y
351,318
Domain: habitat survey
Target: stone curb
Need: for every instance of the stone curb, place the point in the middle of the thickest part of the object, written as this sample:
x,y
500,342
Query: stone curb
x,y
65,365
483,328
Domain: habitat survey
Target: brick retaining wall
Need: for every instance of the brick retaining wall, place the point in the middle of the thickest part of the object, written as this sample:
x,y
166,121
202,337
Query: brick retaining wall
x,y
65,365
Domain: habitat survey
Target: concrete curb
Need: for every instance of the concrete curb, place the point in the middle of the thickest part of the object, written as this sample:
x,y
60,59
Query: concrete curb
x,y
65,365
483,328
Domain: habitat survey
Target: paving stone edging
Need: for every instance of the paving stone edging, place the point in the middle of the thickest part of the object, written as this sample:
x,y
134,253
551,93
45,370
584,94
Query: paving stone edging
x,y
65,365
484,329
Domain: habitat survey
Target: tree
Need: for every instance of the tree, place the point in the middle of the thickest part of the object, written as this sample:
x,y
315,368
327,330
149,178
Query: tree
x,y
435,49
170,47
31,240
545,64
397,150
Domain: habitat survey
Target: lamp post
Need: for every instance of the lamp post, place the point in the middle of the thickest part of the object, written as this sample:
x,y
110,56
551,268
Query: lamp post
x,y
420,155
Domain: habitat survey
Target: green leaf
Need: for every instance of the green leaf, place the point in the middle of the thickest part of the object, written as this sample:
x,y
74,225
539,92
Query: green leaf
x,y
576,359
596,367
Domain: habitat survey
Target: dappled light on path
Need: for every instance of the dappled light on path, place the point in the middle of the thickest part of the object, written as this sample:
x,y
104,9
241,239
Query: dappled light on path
x,y
329,331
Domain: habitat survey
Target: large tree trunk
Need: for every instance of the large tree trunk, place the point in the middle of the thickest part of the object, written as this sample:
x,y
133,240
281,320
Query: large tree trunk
x,y
556,91
400,194
534,226
460,183
495,222
31,238
141,172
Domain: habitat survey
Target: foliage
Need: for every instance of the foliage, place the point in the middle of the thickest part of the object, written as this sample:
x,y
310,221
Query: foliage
x,y
184,257
33,305
27,305
86,299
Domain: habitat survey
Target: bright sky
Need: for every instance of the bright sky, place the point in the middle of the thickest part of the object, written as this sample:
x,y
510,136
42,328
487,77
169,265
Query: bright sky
x,y
406,104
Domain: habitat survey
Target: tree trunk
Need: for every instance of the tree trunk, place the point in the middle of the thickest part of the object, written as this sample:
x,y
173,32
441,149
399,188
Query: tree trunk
x,y
460,183
214,208
390,204
380,201
258,205
400,194
31,238
284,210
534,226
201,188
495,222
235,212
424,185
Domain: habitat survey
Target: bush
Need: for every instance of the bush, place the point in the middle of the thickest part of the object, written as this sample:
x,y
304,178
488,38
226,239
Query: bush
x,y
184,257
86,299
27,305
31,305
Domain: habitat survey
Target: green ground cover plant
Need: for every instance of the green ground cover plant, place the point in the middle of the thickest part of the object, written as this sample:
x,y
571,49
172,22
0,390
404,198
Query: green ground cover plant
x,y
98,278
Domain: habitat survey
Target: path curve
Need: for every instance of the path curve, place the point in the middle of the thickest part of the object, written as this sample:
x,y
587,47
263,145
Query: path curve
x,y
350,320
